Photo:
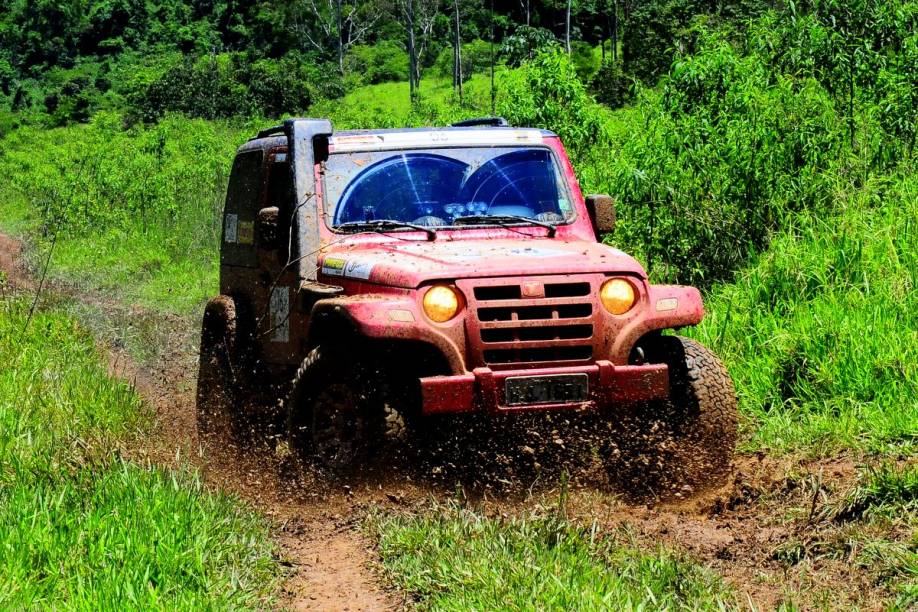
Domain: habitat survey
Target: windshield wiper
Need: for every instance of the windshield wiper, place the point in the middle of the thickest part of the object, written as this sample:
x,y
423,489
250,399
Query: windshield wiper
x,y
504,221
381,225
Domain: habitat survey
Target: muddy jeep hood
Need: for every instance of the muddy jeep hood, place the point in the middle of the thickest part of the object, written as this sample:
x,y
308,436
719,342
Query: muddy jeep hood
x,y
408,264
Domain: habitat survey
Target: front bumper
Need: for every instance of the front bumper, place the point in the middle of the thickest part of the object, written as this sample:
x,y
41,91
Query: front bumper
x,y
483,389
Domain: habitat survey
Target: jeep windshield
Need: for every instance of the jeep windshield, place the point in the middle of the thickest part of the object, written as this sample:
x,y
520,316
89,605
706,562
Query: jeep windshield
x,y
446,187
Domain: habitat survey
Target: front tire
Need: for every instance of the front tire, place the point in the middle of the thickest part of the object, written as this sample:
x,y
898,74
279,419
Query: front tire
x,y
686,443
336,417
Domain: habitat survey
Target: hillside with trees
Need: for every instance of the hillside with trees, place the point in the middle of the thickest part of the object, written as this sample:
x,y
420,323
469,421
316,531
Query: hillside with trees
x,y
63,60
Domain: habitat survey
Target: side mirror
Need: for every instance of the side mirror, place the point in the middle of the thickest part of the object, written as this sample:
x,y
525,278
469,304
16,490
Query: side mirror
x,y
601,209
266,227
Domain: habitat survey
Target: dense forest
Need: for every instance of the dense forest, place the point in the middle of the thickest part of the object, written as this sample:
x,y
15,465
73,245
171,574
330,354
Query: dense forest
x,y
65,59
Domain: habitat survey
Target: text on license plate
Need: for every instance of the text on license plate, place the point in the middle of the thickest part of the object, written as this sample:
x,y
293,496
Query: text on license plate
x,y
554,389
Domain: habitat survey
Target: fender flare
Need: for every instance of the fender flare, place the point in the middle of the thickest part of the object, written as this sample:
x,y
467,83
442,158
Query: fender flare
x,y
668,307
384,317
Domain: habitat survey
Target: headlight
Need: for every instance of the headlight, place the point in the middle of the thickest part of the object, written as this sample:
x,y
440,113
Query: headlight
x,y
617,296
441,303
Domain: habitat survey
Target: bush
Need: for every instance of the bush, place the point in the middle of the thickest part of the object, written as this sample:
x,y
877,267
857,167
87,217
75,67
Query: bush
x,y
476,59
866,57
611,85
585,60
133,211
74,94
546,93
9,121
387,60
659,32
85,179
726,152
236,85
525,43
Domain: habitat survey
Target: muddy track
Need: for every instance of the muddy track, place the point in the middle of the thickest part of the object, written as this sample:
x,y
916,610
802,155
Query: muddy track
x,y
737,530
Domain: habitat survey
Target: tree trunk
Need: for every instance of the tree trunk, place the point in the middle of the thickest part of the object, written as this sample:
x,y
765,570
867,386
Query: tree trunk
x,y
412,58
493,91
614,30
457,55
567,28
455,63
340,36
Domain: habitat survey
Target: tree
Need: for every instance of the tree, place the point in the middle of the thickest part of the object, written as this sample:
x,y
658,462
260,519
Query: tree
x,y
567,28
334,26
571,9
457,52
527,11
408,13
426,13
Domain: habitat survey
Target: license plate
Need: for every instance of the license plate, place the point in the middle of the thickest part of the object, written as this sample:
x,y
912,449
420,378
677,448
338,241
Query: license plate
x,y
555,389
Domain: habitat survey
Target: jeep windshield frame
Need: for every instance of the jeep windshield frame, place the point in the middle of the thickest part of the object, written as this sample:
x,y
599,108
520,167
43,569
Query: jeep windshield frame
x,y
431,186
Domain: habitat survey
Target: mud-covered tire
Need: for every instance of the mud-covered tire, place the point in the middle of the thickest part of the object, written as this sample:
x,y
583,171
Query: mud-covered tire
x,y
685,444
221,374
336,416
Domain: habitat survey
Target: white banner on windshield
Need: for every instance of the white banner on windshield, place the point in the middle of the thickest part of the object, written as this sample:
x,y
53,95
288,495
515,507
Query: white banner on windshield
x,y
433,138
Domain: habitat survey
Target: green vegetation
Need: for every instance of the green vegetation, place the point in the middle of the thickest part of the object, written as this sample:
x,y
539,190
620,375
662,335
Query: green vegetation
x,y
135,212
457,559
764,155
819,332
884,490
85,527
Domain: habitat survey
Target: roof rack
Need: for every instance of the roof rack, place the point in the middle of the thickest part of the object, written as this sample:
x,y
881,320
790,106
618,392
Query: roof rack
x,y
482,122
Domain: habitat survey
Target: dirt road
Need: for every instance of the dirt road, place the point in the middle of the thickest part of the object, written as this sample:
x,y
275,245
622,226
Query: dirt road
x,y
739,530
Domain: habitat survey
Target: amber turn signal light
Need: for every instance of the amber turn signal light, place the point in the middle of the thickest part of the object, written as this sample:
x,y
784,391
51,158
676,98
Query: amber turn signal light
x,y
617,296
442,303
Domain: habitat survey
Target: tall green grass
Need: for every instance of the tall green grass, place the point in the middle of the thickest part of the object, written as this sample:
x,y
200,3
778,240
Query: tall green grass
x,y
135,212
82,526
820,332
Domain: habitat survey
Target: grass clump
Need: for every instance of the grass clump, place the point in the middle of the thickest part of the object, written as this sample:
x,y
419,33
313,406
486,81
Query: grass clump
x,y
457,559
84,527
883,490
872,527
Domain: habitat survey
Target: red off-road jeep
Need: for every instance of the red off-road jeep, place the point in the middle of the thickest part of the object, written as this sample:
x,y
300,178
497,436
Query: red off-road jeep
x,y
374,278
